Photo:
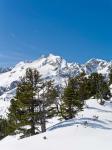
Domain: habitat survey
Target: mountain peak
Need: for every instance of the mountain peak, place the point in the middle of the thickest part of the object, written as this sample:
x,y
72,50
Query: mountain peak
x,y
96,60
52,56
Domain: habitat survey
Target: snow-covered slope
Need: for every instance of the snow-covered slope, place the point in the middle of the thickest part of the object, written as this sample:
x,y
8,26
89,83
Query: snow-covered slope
x,y
73,134
50,67
90,130
3,70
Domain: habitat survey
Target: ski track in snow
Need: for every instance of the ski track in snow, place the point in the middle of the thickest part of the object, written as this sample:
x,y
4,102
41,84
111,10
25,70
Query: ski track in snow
x,y
71,134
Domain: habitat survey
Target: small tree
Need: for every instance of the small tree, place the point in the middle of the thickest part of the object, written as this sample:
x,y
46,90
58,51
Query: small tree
x,y
3,128
84,87
99,87
47,107
71,102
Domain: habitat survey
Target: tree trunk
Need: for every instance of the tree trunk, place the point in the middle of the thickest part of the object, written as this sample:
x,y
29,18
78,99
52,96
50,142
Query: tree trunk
x,y
43,125
43,120
32,120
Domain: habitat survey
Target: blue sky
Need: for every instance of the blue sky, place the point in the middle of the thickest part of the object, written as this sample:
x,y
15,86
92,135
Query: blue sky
x,y
75,29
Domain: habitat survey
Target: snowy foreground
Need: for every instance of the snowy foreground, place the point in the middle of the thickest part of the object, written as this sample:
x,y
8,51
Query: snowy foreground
x,y
73,134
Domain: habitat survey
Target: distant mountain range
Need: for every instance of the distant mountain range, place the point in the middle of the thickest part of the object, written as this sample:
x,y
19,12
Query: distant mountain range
x,y
50,67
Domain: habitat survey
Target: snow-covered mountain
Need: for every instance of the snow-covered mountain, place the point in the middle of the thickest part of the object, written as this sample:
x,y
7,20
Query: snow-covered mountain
x,y
50,67
97,65
3,70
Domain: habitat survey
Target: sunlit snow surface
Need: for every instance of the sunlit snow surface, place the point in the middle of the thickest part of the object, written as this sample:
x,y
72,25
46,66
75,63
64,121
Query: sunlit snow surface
x,y
72,134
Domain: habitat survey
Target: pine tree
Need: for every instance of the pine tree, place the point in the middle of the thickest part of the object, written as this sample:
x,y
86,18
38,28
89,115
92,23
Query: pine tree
x,y
22,111
47,108
32,105
71,102
99,87
3,128
84,87
94,81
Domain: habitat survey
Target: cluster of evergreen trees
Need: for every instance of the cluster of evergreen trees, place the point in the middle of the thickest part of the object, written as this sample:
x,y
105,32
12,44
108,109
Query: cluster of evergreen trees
x,y
38,100
32,105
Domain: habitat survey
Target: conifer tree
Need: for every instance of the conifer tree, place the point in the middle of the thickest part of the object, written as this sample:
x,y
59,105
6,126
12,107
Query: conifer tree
x,y
84,87
3,128
32,105
22,111
47,108
71,102
99,87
